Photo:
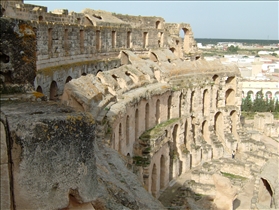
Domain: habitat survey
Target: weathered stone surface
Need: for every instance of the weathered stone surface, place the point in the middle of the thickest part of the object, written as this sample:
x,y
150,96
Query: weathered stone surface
x,y
225,193
18,56
58,163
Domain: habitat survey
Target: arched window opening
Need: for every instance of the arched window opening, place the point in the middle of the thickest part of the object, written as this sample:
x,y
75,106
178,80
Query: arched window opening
x,y
162,172
180,105
172,49
205,131
169,107
230,97
127,130
41,18
113,39
216,79
206,102
153,57
219,125
53,91
230,80
39,89
69,78
137,123
158,24
119,137
158,107
185,132
146,116
129,33
185,33
145,39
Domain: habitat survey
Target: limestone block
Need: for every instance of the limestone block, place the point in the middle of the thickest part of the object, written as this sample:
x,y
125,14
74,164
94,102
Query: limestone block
x,y
225,193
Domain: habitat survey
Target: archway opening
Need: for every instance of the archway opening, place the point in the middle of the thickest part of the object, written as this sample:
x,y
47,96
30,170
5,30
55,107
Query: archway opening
x,y
206,102
146,116
169,107
158,107
219,125
53,91
69,78
230,97
127,130
162,171
39,89
154,181
205,131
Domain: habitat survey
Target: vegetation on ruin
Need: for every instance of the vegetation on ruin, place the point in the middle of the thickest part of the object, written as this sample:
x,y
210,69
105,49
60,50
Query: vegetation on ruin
x,y
157,131
233,176
260,104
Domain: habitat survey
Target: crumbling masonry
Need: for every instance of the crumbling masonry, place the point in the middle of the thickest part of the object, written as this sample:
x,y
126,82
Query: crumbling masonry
x,y
153,98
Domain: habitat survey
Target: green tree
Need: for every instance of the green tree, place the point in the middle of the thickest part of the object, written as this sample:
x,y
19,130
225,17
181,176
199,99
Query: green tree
x,y
247,104
232,49
276,106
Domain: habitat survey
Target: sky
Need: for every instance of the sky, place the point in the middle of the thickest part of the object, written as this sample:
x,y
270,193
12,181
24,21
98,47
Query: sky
x,y
208,19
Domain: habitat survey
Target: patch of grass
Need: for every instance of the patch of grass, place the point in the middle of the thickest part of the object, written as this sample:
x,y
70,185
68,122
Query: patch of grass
x,y
248,115
233,176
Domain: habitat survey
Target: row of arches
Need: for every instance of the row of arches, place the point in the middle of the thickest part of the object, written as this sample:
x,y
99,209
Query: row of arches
x,y
170,162
172,106
256,93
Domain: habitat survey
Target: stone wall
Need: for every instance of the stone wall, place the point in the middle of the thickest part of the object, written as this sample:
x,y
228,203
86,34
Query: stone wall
x,y
145,113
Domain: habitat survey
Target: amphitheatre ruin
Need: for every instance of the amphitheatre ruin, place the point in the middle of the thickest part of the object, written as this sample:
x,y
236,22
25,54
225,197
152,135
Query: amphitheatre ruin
x,y
109,111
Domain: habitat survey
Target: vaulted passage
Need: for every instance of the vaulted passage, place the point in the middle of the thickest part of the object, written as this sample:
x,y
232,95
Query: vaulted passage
x,y
53,95
162,171
219,125
230,97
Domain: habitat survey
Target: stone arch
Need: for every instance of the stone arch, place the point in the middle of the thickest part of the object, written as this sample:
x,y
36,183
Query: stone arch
x,y
205,131
169,107
120,137
233,116
251,94
113,39
154,181
153,57
219,125
180,105
173,50
268,95
99,71
163,169
265,194
83,74
69,78
146,116
185,132
216,79
41,18
127,130
231,80
186,39
145,39
124,58
137,123
53,92
192,101
158,25
206,102
230,97
39,89
129,38
158,110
